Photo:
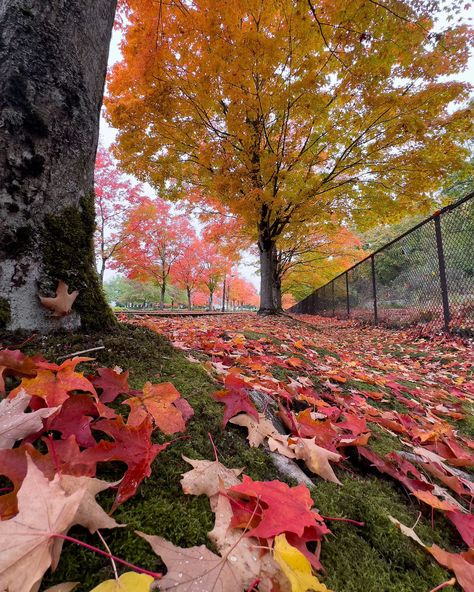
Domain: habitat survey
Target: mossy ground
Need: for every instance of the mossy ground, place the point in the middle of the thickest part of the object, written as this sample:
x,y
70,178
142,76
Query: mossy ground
x,y
372,558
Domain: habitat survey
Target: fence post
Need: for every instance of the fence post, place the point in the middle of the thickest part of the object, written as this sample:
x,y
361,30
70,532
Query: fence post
x,y
348,304
442,273
333,301
374,288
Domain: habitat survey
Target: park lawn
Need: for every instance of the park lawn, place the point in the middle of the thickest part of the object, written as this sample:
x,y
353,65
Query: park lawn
x,y
340,358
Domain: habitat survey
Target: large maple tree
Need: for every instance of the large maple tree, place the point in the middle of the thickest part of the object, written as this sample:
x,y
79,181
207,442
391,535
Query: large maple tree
x,y
291,111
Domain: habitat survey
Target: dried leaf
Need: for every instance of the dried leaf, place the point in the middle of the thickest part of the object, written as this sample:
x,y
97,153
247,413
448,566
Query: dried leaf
x,y
257,430
317,458
61,304
15,424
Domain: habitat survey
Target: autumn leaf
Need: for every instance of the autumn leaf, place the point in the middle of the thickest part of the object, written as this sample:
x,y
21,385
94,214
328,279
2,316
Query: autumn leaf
x,y
64,587
131,445
296,567
89,514
29,540
61,304
127,582
257,430
74,419
195,569
316,458
464,524
14,362
208,478
235,401
157,402
112,382
15,424
54,383
283,508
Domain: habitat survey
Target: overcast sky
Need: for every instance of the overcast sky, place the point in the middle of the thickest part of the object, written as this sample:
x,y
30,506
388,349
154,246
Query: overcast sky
x,y
249,264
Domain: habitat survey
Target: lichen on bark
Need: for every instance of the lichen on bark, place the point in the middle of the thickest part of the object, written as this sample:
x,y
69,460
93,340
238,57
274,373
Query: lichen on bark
x,y
68,255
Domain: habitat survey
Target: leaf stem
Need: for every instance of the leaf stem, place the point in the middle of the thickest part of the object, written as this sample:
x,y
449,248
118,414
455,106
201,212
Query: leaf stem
x,y
348,520
109,555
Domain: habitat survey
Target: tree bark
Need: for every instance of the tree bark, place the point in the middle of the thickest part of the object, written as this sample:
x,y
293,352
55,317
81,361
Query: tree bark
x,y
211,297
162,294
53,59
188,292
276,281
267,267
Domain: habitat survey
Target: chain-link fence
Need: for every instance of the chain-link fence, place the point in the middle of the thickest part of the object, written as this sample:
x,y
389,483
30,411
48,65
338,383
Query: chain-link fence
x,y
426,276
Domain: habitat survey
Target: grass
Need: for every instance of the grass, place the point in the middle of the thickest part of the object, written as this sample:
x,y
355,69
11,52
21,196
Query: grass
x,y
373,558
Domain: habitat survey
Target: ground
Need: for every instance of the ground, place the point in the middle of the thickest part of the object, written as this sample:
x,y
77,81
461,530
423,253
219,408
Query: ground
x,y
380,375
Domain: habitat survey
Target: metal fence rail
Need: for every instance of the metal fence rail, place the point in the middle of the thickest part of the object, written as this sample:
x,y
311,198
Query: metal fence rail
x,y
424,276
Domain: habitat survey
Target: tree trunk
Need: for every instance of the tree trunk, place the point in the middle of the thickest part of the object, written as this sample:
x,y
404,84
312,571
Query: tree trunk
x,y
102,271
188,291
53,59
162,294
223,294
267,266
276,282
211,297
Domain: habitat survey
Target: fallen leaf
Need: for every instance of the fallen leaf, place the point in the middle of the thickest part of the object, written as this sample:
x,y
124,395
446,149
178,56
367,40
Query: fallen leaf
x,y
65,587
461,564
112,383
127,582
208,478
283,508
464,524
195,569
133,446
296,567
14,362
15,424
157,402
89,514
316,458
61,304
29,541
257,430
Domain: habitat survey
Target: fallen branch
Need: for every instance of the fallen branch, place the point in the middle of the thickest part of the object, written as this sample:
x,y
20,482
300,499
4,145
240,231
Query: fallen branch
x,y
84,351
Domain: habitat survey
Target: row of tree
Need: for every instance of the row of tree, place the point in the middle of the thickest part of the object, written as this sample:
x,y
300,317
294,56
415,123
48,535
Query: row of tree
x,y
153,243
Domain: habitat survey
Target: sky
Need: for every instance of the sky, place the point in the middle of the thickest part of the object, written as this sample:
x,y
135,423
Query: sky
x,y
248,266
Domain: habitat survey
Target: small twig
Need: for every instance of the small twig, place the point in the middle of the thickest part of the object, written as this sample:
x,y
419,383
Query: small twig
x,y
253,585
84,351
114,566
213,447
450,582
416,522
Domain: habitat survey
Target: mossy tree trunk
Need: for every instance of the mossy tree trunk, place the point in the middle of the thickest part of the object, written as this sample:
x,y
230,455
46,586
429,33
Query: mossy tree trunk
x,y
53,60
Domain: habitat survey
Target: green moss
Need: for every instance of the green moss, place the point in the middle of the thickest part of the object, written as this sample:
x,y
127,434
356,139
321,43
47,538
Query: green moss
x,y
68,255
376,557
5,314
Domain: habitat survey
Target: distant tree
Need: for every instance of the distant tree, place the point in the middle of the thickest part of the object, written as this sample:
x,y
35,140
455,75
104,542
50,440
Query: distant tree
x,y
188,270
214,268
156,239
115,197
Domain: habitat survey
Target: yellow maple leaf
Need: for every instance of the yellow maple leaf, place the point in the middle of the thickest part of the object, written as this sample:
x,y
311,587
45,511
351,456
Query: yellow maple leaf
x,y
127,582
296,567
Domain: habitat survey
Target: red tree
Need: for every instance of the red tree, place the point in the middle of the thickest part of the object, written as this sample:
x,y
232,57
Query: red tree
x,y
187,271
115,196
215,266
156,239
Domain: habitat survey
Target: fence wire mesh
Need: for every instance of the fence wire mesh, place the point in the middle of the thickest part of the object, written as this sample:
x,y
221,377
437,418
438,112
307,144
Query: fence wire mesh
x,y
425,276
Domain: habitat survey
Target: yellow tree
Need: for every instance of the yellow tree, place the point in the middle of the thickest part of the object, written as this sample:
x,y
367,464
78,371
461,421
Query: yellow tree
x,y
289,111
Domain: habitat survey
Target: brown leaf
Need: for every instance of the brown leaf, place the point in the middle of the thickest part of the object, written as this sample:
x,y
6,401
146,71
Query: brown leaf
x,y
89,513
65,587
257,431
61,304
317,458
208,478
15,424
28,540
195,569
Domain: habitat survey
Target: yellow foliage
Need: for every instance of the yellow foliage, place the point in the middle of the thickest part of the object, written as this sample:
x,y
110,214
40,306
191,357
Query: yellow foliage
x,y
296,567
127,582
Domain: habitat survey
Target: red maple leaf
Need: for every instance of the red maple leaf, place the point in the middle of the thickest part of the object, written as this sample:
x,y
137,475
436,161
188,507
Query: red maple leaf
x,y
133,446
14,362
283,509
74,418
112,384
